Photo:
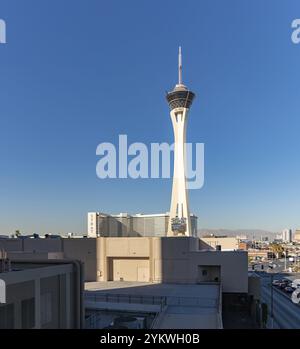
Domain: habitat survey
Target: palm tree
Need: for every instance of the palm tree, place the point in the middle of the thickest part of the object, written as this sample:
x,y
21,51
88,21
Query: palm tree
x,y
277,249
17,233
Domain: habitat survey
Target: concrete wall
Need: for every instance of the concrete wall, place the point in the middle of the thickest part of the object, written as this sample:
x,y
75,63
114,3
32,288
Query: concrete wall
x,y
34,255
171,260
32,245
208,273
226,243
11,244
123,247
43,245
233,264
129,269
41,295
55,248
254,286
84,250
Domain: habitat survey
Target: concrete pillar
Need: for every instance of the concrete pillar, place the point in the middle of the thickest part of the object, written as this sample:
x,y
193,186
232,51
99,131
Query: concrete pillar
x,y
37,303
17,314
68,300
102,272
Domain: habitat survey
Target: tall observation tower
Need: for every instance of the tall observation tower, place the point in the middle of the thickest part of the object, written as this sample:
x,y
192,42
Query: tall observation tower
x,y
180,101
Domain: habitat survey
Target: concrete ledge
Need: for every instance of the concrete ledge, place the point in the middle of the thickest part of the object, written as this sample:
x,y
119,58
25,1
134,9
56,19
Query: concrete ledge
x,y
130,307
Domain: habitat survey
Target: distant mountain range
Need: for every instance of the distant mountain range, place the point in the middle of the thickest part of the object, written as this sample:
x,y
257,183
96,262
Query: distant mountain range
x,y
256,234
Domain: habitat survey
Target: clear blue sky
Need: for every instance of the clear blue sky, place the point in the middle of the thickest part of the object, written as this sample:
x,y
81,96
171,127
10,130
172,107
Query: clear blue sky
x,y
75,73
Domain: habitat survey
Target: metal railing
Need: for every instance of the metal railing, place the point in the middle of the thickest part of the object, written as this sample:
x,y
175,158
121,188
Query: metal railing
x,y
152,300
126,298
205,302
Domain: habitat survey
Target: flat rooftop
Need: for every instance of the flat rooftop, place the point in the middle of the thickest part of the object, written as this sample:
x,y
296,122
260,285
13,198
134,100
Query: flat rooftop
x,y
209,291
187,306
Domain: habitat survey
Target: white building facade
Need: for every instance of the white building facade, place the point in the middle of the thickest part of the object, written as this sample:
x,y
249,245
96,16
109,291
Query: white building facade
x,y
287,235
137,225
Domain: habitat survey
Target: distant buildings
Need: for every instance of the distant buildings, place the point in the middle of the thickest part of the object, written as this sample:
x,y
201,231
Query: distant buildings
x,y
278,237
242,237
262,254
126,225
297,236
287,235
244,245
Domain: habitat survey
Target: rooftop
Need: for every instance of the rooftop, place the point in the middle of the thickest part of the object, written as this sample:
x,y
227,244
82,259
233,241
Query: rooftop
x,y
187,306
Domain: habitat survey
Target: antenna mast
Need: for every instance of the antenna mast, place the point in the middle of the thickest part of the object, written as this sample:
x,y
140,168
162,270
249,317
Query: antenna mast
x,y
179,67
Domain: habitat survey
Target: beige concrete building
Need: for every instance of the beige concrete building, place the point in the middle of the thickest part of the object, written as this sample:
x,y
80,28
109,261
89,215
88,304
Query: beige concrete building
x,y
146,259
42,294
297,236
82,249
263,254
225,243
170,260
122,272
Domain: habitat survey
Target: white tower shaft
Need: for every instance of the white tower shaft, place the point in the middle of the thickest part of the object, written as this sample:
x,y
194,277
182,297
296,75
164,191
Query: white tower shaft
x,y
180,100
179,209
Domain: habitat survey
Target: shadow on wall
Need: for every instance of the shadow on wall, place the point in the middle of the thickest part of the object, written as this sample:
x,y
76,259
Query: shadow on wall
x,y
181,262
117,227
204,245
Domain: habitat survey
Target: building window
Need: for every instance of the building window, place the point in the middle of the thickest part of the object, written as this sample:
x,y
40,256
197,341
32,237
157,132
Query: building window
x,y
27,306
204,272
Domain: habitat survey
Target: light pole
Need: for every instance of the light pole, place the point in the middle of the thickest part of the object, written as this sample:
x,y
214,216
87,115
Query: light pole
x,y
285,252
272,303
272,298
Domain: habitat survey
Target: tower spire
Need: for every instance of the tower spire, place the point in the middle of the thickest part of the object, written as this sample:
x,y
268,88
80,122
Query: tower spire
x,y
179,67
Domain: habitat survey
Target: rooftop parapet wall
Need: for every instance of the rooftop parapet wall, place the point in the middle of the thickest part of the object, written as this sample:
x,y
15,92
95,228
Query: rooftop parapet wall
x,y
169,259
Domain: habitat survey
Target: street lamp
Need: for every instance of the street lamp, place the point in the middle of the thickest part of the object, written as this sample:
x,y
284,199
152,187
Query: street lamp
x,y
272,303
272,298
285,253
